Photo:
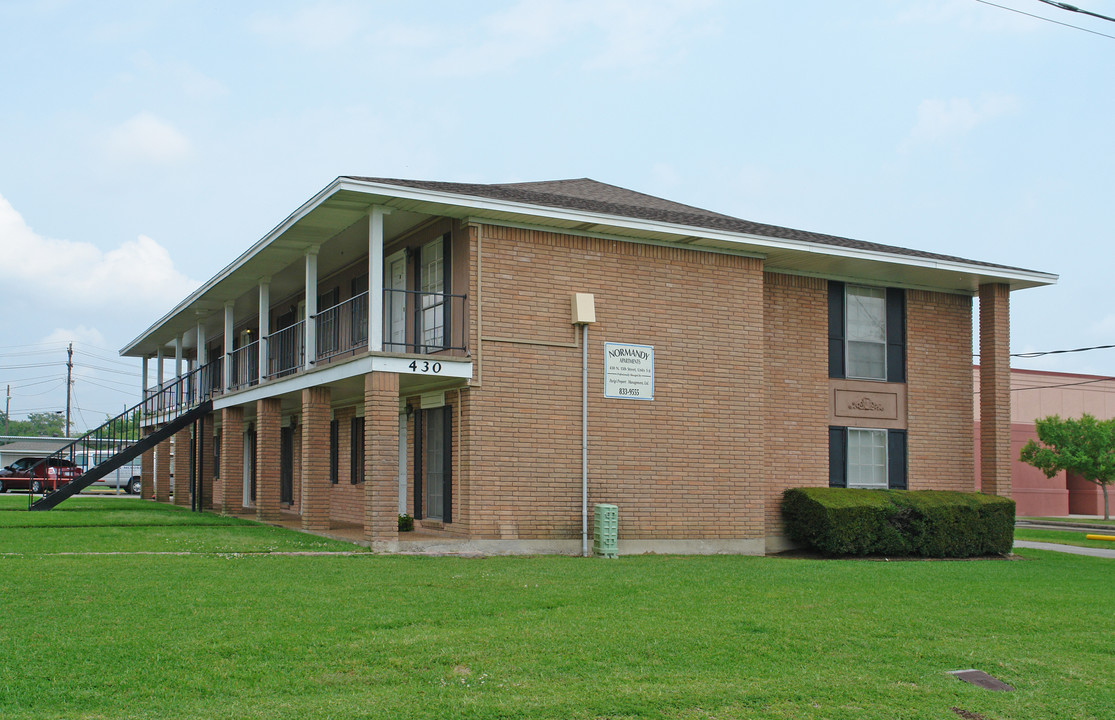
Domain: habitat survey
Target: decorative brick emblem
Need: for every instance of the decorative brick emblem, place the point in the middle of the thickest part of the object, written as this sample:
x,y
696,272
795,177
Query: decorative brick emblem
x,y
866,404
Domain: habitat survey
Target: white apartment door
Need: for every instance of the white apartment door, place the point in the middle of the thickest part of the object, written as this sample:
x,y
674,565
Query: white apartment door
x,y
395,301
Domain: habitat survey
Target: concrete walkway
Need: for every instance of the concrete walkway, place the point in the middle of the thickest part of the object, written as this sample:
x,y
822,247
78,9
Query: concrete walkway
x,y
1071,549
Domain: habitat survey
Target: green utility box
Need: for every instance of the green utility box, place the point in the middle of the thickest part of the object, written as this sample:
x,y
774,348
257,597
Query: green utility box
x,y
605,531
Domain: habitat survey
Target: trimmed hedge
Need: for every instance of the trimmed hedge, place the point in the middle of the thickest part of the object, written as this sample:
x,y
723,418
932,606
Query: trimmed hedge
x,y
922,523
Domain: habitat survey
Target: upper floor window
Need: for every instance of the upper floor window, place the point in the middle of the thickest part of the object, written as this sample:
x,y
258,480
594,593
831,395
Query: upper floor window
x,y
867,332
432,286
865,326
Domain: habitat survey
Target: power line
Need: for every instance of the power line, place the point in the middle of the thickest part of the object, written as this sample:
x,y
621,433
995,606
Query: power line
x,y
1073,8
1042,353
1039,17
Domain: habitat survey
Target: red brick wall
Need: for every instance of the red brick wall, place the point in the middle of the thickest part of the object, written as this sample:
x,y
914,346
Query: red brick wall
x,y
147,474
797,388
315,458
685,465
182,467
995,420
381,432
209,439
939,391
231,488
346,499
162,471
268,440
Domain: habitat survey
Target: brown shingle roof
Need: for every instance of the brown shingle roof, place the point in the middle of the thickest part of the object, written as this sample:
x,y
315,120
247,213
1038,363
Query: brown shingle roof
x,y
592,196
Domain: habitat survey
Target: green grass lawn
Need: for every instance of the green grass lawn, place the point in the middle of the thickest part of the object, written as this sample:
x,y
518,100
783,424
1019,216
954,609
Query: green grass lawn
x,y
1064,537
250,634
1090,521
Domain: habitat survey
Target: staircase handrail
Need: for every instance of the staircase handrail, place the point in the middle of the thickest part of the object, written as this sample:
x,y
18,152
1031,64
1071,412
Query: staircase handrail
x,y
160,406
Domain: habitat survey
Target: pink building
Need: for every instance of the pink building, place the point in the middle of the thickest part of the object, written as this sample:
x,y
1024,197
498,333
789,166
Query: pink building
x,y
1036,394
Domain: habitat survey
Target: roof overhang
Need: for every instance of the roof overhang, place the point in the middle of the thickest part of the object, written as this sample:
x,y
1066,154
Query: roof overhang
x,y
347,200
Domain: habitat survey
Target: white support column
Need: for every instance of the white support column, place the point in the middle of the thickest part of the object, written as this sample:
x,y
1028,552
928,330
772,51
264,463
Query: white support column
x,y
144,380
264,323
226,363
311,307
159,366
375,278
202,341
177,358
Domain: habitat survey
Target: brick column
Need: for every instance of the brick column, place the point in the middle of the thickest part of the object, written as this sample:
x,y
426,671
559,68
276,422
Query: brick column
x,y
232,461
207,454
315,458
162,471
182,467
147,474
268,433
994,341
381,459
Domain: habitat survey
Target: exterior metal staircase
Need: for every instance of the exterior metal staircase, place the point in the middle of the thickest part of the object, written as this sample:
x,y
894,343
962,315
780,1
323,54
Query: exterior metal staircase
x,y
170,409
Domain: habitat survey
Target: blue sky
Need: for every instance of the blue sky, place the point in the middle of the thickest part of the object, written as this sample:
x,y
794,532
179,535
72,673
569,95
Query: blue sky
x,y
144,145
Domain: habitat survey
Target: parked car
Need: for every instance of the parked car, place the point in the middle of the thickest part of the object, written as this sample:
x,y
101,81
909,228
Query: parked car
x,y
32,473
124,478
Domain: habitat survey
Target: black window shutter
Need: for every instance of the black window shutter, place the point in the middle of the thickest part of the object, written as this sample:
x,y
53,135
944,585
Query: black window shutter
x,y
447,467
896,459
419,425
356,451
836,329
896,335
447,275
333,451
838,466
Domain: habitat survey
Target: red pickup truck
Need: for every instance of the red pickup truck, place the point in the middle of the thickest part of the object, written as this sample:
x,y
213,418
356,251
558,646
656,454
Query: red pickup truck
x,y
32,473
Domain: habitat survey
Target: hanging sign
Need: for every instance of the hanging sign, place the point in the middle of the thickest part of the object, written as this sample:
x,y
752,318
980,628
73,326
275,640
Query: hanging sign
x,y
628,371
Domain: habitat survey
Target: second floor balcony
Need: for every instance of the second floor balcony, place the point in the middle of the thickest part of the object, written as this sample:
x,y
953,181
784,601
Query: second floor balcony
x,y
414,322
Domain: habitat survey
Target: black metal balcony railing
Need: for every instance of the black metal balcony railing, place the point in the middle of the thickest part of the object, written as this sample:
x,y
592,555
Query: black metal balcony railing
x,y
413,321
244,365
286,350
343,327
424,322
187,391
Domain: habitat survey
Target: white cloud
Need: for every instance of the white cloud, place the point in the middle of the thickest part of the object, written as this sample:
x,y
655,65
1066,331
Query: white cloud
x,y
81,334
148,139
136,276
320,26
600,34
939,120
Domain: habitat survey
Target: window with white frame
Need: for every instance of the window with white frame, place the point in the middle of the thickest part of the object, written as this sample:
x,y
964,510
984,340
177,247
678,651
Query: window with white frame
x,y
432,287
867,458
866,332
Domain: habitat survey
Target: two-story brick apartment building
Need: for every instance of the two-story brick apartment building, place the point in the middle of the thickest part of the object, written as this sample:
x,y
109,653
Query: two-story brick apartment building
x,y
495,359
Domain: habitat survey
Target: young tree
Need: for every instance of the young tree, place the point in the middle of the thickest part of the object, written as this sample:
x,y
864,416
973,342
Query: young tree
x,y
1085,447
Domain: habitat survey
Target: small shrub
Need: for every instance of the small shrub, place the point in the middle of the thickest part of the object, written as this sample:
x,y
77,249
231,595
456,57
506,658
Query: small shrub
x,y
925,523
406,523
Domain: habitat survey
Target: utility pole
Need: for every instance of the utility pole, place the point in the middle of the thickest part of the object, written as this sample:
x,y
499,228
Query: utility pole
x,y
69,383
7,410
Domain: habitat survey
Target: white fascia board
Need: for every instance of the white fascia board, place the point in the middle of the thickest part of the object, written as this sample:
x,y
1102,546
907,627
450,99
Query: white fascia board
x,y
450,368
232,267
762,241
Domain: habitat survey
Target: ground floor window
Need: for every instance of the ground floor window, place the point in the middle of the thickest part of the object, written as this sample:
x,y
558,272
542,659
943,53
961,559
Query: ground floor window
x,y
867,458
433,475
